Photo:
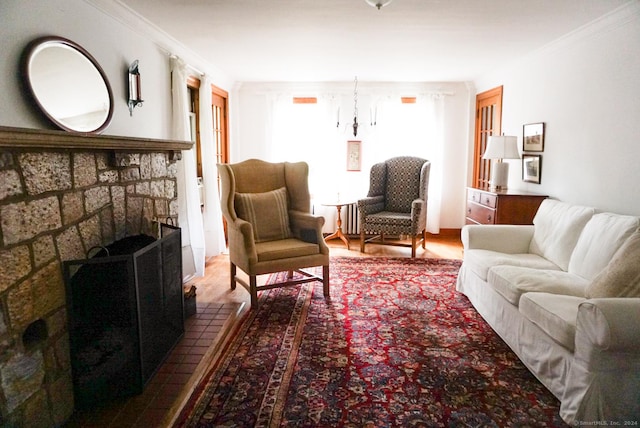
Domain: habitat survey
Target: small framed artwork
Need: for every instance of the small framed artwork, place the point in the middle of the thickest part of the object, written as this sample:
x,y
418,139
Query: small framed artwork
x,y
531,168
533,137
354,155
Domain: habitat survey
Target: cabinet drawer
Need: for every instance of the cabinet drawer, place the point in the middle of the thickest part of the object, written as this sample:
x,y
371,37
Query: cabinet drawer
x,y
481,214
474,196
483,198
488,200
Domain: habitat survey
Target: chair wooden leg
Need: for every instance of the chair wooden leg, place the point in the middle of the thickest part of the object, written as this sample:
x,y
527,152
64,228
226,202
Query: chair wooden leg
x,y
290,275
424,239
253,291
413,246
362,240
232,276
325,280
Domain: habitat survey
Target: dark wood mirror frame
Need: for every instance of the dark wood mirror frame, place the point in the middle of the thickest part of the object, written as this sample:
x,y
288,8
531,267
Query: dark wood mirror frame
x,y
37,46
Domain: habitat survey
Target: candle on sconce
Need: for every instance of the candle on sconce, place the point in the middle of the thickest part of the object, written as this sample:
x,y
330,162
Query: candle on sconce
x,y
338,118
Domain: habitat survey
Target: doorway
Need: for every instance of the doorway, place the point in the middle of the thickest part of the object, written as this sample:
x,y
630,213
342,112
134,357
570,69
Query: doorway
x,y
488,123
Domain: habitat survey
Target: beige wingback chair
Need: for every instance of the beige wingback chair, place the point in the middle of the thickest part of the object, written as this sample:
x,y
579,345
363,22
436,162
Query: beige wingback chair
x,y
267,209
397,202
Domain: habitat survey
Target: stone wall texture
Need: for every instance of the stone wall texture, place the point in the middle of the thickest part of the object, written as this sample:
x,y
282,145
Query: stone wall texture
x,y
55,205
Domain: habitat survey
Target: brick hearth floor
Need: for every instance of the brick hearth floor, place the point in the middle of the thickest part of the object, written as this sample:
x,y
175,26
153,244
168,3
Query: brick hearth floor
x,y
172,384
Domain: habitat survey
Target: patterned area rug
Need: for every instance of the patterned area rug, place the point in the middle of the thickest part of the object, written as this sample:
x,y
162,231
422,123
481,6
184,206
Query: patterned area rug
x,y
395,345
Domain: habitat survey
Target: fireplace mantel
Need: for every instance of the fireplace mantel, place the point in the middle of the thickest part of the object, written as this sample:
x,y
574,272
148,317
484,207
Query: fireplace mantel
x,y
38,138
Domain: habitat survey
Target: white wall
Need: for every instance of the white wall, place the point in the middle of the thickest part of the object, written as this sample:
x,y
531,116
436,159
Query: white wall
x,y
586,88
250,133
115,37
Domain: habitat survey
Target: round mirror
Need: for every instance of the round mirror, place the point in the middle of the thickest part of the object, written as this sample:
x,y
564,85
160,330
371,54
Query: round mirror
x,y
68,85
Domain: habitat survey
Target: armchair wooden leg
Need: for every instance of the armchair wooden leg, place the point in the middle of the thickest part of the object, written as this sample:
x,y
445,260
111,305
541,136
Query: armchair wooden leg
x,y
290,275
361,240
424,239
325,280
232,276
413,246
253,291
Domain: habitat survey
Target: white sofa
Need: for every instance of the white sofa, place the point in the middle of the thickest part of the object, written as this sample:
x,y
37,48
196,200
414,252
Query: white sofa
x,y
564,294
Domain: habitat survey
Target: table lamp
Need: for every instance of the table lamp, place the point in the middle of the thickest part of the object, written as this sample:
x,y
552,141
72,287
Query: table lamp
x,y
501,147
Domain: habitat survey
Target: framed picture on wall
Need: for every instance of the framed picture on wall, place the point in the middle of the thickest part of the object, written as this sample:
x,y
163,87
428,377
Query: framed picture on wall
x,y
533,137
531,167
354,155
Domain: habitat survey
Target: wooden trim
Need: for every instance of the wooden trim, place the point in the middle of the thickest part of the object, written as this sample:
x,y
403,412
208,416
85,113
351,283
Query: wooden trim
x,y
219,91
193,82
305,100
38,138
447,233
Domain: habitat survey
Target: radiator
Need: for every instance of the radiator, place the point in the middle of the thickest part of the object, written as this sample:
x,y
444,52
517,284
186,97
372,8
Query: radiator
x,y
350,222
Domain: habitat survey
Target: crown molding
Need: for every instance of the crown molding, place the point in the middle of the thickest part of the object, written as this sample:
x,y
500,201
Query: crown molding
x,y
623,15
147,29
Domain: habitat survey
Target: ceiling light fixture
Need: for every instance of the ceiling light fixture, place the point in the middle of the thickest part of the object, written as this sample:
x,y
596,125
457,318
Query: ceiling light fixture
x,y
355,107
378,3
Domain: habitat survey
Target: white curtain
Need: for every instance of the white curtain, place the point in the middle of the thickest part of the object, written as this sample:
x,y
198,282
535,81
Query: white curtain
x,y
304,132
387,128
189,214
213,228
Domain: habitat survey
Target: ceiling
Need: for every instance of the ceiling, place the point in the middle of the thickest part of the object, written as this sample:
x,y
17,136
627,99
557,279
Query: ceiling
x,y
335,40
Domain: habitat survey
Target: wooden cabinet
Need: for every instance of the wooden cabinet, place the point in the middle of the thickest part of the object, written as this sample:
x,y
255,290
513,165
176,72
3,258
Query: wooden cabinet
x,y
501,207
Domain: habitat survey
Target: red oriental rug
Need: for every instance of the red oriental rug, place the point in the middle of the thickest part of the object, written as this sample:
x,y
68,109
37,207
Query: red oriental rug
x,y
395,345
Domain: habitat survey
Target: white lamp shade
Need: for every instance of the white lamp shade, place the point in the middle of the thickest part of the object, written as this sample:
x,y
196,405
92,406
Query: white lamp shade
x,y
502,147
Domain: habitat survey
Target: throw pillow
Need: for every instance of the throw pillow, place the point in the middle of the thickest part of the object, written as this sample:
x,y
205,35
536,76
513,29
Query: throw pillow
x,y
267,212
621,277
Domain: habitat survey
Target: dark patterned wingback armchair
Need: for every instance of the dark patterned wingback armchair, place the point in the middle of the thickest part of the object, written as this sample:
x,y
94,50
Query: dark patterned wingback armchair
x,y
267,209
397,202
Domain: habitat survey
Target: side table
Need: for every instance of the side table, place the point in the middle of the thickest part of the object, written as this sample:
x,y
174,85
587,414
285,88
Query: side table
x,y
338,233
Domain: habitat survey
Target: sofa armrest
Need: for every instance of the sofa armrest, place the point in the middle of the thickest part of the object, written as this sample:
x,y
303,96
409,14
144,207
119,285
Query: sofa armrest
x,y
503,238
609,324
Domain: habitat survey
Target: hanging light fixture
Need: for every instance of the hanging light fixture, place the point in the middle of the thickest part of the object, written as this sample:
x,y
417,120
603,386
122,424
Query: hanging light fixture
x,y
378,3
355,107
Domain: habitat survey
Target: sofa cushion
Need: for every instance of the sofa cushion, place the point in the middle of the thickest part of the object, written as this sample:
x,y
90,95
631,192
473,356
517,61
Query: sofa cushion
x,y
272,223
512,281
555,314
599,241
621,277
480,261
557,228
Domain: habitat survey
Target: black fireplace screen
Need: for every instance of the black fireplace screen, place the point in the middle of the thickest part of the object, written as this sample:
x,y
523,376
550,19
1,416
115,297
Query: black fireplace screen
x,y
125,314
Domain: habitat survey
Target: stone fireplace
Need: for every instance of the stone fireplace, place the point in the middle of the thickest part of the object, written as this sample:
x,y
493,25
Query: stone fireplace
x,y
60,195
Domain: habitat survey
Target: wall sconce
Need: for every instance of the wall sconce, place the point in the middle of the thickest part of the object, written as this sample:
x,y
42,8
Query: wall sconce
x,y
135,91
501,147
